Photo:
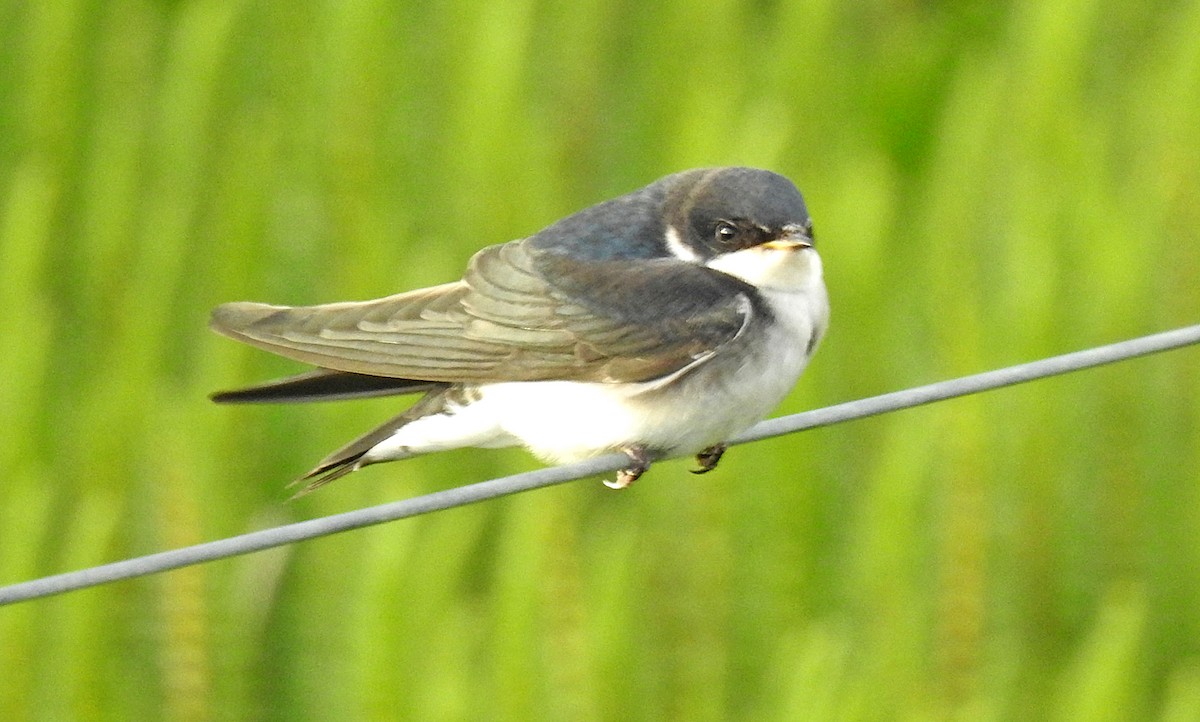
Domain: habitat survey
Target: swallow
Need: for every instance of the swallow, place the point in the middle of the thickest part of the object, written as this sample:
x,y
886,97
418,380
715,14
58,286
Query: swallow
x,y
659,323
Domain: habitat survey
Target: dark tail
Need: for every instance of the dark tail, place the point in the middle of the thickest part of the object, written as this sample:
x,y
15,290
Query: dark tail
x,y
350,457
322,385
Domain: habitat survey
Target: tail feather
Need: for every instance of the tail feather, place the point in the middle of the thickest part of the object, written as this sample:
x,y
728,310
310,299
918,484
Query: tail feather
x,y
352,456
322,385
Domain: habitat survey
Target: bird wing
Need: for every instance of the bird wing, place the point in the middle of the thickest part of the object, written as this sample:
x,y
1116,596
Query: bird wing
x,y
521,313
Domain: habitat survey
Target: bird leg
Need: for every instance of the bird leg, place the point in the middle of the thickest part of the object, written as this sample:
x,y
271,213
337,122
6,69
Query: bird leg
x,y
709,458
640,462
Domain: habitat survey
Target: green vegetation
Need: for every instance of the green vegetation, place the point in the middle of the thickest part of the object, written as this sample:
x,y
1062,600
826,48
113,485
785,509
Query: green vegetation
x,y
991,183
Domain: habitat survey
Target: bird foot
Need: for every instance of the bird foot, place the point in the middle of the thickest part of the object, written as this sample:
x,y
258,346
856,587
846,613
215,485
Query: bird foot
x,y
709,458
640,462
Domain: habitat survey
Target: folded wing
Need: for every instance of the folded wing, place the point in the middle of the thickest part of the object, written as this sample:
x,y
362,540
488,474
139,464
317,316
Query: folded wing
x,y
520,314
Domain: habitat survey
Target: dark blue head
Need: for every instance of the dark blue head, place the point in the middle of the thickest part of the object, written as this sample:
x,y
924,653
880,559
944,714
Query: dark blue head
x,y
712,211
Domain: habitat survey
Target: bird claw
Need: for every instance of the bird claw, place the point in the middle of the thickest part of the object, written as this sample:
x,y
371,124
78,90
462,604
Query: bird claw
x,y
640,459
709,458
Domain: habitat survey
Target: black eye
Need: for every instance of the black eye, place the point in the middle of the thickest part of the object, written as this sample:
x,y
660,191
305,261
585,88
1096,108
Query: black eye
x,y
725,232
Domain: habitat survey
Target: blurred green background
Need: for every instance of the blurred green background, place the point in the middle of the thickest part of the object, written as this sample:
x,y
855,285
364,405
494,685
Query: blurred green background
x,y
991,183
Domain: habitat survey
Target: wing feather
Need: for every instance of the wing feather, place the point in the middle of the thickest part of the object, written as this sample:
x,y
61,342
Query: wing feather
x,y
521,313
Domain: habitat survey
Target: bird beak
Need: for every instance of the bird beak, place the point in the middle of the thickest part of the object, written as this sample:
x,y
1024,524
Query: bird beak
x,y
791,241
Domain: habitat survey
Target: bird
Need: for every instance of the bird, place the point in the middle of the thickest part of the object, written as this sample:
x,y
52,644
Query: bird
x,y
659,323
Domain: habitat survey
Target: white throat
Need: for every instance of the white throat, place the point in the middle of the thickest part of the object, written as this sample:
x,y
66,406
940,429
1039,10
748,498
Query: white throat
x,y
777,269
780,269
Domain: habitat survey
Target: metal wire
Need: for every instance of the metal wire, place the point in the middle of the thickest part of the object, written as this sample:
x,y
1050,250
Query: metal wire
x,y
482,491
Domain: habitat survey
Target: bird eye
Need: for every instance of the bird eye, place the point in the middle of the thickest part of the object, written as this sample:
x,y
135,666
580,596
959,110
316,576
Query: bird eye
x,y
725,232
